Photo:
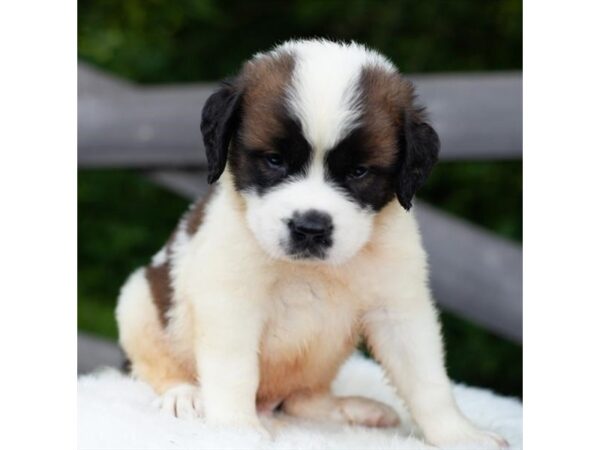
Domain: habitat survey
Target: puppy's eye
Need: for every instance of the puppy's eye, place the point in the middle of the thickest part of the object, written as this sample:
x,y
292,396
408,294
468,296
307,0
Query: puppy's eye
x,y
274,160
358,172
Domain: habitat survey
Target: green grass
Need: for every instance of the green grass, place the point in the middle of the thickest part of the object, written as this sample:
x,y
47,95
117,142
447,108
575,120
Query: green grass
x,y
124,219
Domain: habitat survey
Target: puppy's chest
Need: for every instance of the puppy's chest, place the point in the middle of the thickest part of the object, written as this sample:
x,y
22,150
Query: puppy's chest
x,y
308,311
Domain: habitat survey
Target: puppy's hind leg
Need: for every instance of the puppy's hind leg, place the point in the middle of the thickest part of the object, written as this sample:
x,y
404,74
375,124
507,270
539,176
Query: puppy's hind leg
x,y
144,340
347,410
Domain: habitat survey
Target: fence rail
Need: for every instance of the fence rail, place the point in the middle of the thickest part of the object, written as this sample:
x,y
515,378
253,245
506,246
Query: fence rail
x,y
474,273
477,117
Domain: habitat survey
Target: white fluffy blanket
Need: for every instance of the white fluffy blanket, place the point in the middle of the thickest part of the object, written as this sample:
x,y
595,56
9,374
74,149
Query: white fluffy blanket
x,y
116,412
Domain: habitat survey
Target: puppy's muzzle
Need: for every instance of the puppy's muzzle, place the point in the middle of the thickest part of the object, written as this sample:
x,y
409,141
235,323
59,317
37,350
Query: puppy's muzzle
x,y
311,234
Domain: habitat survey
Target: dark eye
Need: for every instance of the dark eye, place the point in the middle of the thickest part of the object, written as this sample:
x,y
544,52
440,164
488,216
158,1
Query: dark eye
x,y
274,160
358,172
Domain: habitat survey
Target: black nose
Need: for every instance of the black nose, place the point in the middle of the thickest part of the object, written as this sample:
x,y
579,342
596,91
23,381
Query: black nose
x,y
311,227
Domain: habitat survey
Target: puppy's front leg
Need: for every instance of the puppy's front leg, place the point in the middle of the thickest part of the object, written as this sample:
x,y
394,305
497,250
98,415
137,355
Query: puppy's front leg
x,y
405,338
227,348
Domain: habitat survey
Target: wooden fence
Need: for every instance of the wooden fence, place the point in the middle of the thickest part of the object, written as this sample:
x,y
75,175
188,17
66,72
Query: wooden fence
x,y
474,273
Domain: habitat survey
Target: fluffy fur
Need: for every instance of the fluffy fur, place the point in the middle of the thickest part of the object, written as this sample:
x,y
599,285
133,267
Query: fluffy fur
x,y
264,289
115,412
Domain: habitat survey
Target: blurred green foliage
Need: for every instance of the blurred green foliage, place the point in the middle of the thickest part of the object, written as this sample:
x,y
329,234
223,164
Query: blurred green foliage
x,y
184,40
487,193
124,219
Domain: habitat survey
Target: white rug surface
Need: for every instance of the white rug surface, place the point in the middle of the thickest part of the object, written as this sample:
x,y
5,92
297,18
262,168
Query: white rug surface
x,y
116,412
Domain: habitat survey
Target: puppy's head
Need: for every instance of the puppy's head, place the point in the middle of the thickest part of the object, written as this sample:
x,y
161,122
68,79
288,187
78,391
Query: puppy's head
x,y
318,137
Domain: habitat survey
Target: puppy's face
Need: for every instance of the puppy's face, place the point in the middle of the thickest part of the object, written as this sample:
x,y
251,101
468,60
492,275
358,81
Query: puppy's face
x,y
318,138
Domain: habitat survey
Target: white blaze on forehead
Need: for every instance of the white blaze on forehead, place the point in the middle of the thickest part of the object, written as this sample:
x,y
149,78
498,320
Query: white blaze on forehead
x,y
324,93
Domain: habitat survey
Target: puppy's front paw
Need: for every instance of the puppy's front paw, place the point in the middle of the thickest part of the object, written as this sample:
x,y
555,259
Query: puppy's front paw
x,y
366,412
182,401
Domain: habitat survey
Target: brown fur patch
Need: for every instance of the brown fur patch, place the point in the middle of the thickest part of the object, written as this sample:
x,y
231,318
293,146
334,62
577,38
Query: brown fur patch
x,y
386,96
159,278
264,81
195,216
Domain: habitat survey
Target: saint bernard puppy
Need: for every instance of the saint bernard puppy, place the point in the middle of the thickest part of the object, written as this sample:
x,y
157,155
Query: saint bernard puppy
x,y
305,244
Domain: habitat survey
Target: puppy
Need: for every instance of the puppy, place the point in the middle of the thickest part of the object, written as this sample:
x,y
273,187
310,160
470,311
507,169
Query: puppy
x,y
305,243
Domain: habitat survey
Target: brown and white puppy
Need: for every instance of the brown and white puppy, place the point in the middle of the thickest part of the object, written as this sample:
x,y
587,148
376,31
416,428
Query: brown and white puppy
x,y
305,244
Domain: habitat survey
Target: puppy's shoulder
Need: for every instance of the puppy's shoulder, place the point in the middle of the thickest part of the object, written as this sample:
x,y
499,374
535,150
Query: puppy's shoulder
x,y
162,270
396,232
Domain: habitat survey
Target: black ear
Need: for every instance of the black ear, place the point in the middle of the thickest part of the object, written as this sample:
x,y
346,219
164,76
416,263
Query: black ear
x,y
220,118
420,146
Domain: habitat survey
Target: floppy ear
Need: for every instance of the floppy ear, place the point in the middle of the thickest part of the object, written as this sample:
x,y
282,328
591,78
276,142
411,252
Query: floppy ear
x,y
421,145
220,118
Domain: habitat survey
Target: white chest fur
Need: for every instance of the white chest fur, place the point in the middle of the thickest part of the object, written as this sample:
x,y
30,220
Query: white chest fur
x,y
304,310
310,330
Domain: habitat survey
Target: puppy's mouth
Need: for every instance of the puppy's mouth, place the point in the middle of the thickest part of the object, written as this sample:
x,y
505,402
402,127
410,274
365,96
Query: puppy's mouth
x,y
308,251
311,253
